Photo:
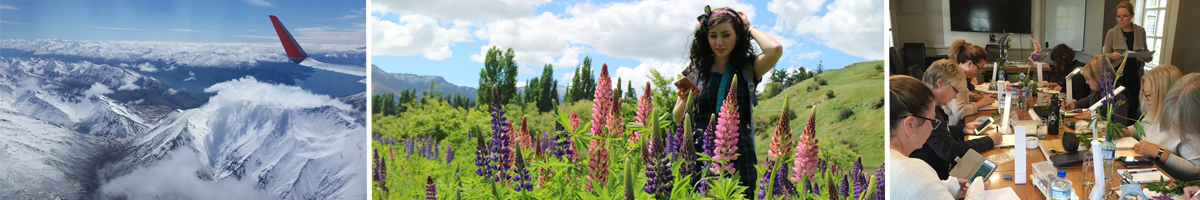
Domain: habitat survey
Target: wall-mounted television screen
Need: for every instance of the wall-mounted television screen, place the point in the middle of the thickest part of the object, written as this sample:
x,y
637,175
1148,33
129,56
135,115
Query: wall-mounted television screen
x,y
995,16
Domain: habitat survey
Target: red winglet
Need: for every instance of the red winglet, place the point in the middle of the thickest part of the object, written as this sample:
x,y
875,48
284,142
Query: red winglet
x,y
294,52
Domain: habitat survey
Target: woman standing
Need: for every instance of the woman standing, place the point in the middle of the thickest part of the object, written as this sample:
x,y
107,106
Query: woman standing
x,y
1127,36
721,49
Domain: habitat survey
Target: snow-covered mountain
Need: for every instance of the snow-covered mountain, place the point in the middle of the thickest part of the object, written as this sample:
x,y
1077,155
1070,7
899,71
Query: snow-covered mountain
x,y
81,130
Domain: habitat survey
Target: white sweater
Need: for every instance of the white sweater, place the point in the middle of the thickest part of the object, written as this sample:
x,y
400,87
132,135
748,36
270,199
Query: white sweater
x,y
911,178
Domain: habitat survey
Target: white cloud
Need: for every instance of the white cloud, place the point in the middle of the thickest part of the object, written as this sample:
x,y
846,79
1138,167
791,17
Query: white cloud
x,y
356,13
258,36
129,86
327,35
638,75
175,178
521,83
186,30
147,67
248,89
851,26
97,89
112,28
646,30
171,91
453,10
416,34
8,22
7,7
808,55
261,3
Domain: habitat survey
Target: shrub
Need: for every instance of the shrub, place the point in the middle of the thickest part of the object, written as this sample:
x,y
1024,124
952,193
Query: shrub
x,y
879,104
845,113
820,80
829,94
813,87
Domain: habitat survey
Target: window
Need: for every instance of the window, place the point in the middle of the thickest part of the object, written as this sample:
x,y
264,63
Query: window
x,y
1152,16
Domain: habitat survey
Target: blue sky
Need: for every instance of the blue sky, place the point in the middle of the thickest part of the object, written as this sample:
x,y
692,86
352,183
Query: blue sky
x,y
442,37
336,22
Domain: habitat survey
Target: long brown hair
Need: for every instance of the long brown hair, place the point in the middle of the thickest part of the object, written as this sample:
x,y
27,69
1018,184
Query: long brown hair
x,y
702,55
961,51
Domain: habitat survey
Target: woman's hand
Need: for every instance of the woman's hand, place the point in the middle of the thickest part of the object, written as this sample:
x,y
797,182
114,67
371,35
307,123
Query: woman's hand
x,y
1189,192
745,20
1083,116
1067,105
1146,148
969,128
1114,55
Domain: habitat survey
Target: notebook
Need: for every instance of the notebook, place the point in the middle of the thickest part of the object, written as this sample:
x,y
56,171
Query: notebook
x,y
1147,175
1008,140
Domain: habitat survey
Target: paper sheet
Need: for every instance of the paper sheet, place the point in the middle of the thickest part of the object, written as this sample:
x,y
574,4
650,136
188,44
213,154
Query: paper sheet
x,y
1002,193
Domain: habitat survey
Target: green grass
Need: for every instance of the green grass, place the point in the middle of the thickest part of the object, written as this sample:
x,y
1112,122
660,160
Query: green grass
x,y
858,86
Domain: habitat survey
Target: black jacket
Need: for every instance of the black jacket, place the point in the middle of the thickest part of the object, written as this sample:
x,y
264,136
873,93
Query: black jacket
x,y
945,144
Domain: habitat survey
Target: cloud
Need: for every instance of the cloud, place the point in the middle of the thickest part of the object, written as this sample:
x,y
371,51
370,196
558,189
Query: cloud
x,y
258,36
328,35
469,10
7,7
356,13
646,31
808,55
112,28
175,178
639,75
416,34
248,89
521,83
186,30
851,26
147,67
97,89
260,3
8,22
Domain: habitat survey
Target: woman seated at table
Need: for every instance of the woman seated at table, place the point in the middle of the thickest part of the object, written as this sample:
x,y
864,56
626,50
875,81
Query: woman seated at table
x,y
1094,73
1180,117
946,142
970,58
1155,85
911,112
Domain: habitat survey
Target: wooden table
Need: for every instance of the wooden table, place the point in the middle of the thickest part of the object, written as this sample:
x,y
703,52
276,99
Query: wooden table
x,y
1029,190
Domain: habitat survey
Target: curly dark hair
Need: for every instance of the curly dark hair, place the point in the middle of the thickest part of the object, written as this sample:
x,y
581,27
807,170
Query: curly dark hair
x,y
1063,56
702,55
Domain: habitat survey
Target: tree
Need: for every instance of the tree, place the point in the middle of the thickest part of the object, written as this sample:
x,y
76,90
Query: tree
x,y
778,76
583,84
533,90
548,89
820,67
664,89
630,95
499,73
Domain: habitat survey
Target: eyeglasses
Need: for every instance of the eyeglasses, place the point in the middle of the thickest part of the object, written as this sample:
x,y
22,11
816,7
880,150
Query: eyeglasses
x,y
1124,16
955,90
936,122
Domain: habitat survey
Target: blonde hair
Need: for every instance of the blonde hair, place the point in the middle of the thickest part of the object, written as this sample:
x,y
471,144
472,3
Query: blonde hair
x,y
906,96
1181,109
1095,69
1159,81
961,51
1126,5
946,70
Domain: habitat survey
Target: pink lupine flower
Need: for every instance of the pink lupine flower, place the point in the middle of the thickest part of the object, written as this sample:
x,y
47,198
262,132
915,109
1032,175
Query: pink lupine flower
x,y
645,105
806,150
522,135
727,133
571,150
781,141
598,160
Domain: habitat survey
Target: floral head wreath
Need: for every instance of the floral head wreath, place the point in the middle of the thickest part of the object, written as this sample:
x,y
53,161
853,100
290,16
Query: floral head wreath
x,y
703,18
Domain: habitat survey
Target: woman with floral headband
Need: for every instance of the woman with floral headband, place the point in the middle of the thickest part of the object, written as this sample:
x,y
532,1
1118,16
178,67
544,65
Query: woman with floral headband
x,y
720,50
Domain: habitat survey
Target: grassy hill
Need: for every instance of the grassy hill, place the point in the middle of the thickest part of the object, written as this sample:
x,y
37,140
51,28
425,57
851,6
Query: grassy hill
x,y
858,87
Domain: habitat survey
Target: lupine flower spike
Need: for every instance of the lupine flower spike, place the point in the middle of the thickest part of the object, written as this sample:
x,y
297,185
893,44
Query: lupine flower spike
x,y
522,175
879,183
781,141
482,158
806,150
727,133
598,160
430,188
523,136
499,162
449,153
616,123
1035,56
645,105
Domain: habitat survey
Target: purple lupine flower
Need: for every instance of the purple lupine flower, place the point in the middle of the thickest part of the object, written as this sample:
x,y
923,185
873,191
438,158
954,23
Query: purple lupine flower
x,y
860,182
449,153
500,140
879,183
545,145
408,148
782,185
765,181
673,141
482,157
665,176
430,188
522,175
845,188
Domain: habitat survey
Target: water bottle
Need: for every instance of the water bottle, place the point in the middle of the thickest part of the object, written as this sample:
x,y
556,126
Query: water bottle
x,y
1060,189
1021,75
1110,149
1001,100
